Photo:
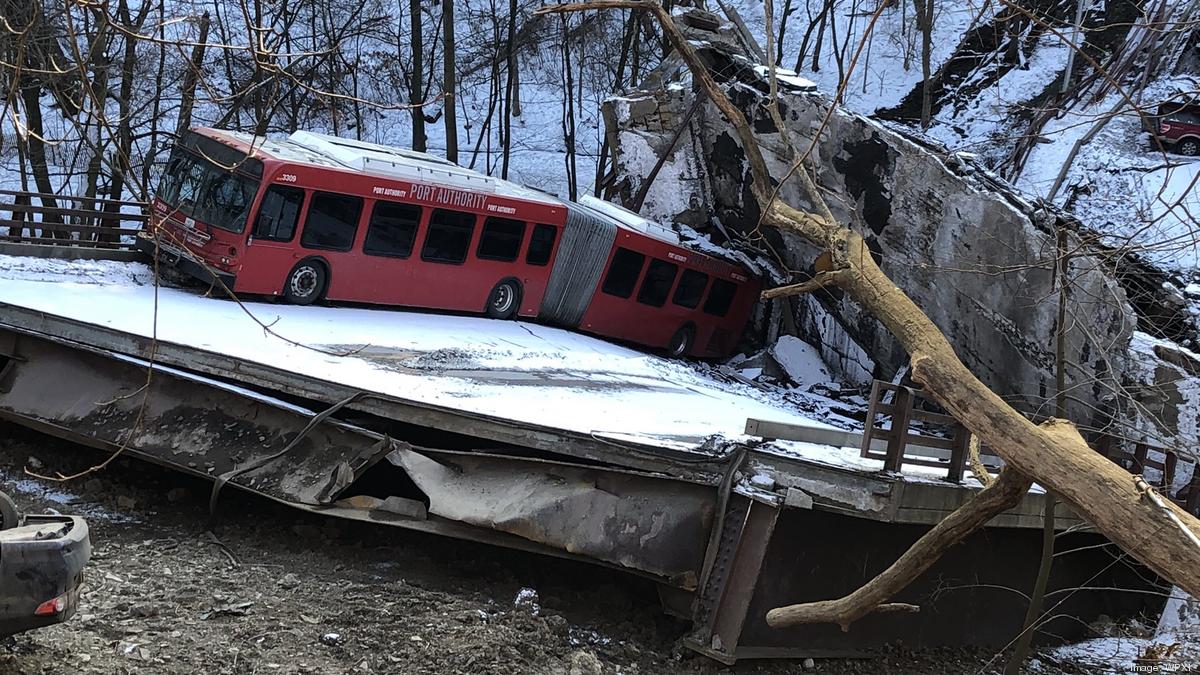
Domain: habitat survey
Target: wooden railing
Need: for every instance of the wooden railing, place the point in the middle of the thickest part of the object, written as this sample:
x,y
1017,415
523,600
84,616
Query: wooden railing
x,y
1138,460
902,412
906,445
92,222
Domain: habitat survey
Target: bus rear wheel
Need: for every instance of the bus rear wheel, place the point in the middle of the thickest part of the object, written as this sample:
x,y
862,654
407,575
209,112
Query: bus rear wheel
x,y
305,284
681,342
504,300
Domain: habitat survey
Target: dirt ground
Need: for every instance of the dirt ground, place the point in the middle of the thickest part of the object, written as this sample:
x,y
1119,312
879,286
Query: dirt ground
x,y
277,590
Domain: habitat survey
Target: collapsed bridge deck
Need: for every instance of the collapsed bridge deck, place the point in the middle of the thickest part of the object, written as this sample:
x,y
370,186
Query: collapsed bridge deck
x,y
513,433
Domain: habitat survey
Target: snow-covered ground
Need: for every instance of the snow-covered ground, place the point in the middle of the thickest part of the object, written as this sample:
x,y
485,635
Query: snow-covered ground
x,y
1142,199
1173,646
889,65
515,370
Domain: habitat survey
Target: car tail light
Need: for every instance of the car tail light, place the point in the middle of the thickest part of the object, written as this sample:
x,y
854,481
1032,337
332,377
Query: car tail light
x,y
51,607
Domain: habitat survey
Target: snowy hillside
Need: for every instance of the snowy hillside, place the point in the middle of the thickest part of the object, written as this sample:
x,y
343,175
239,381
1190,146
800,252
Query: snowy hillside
x,y
870,53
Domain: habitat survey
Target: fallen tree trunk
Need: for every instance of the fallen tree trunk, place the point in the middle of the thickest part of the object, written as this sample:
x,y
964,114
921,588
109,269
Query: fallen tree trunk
x,y
1160,535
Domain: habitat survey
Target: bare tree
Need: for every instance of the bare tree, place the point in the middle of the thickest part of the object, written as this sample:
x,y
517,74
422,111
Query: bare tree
x,y
449,81
923,10
512,102
416,84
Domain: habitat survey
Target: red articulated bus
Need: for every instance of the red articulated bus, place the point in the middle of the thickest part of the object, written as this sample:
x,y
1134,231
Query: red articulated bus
x,y
319,217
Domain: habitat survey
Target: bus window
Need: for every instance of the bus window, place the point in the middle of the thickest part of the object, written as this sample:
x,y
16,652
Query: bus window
x,y
657,284
331,221
623,273
691,289
392,230
541,244
448,236
278,213
501,239
720,297
225,202
199,184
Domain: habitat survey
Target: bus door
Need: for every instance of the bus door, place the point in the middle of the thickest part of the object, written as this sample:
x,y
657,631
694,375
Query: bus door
x,y
271,250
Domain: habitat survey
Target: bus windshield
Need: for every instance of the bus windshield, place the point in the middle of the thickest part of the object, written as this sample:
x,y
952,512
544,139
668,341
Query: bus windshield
x,y
199,184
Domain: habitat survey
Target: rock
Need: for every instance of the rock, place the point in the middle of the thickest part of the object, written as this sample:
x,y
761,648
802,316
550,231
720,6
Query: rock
x,y
472,616
144,610
809,664
132,650
527,599
558,624
800,361
331,639
584,662
288,581
34,463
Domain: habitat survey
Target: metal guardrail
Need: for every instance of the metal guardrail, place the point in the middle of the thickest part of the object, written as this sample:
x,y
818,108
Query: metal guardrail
x,y
67,220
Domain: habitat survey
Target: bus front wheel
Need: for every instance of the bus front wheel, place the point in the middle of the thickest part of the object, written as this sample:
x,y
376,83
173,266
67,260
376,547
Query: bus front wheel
x,y
504,300
305,284
681,342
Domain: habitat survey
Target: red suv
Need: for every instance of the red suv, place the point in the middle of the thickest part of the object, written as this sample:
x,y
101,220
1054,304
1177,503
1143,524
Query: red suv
x,y
1178,129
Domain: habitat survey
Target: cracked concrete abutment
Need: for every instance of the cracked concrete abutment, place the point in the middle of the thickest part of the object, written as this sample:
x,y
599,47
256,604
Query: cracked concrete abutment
x,y
971,250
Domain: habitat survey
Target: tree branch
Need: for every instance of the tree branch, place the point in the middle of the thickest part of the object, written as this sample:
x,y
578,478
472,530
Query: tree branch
x,y
819,281
1005,493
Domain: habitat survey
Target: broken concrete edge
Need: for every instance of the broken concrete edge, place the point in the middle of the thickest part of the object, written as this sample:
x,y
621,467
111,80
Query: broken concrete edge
x,y
648,461
699,466
650,525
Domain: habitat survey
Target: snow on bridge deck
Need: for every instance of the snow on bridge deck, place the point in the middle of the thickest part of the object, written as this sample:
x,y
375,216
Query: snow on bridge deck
x,y
519,371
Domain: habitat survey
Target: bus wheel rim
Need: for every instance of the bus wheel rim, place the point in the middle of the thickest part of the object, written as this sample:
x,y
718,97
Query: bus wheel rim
x,y
679,344
504,298
304,281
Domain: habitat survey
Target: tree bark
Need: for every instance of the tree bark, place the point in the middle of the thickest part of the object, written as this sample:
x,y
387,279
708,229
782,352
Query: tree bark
x,y
512,104
191,77
122,164
1062,269
1056,456
568,113
449,82
156,106
416,95
924,17
36,150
